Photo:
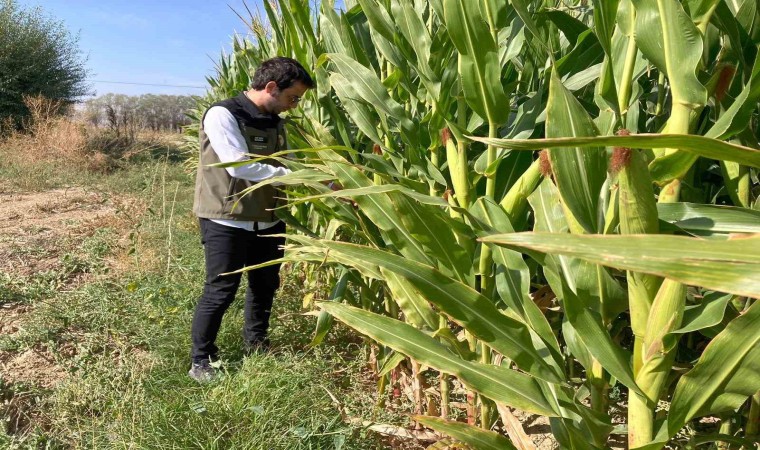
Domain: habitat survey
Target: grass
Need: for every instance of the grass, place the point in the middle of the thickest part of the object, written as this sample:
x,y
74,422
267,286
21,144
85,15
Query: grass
x,y
114,315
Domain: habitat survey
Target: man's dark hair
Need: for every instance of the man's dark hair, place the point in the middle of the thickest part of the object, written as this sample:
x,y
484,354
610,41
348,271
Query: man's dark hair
x,y
283,71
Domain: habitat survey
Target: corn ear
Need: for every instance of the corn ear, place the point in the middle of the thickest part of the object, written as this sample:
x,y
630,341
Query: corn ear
x,y
516,200
637,211
456,156
655,360
665,316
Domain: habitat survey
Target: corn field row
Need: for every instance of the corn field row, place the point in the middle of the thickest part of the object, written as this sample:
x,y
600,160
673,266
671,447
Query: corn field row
x,y
545,203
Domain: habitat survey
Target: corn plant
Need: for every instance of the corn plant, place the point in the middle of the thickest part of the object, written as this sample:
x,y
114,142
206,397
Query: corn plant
x,y
639,221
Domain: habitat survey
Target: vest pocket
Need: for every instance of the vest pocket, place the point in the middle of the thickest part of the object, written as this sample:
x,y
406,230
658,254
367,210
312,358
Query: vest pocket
x,y
233,203
261,142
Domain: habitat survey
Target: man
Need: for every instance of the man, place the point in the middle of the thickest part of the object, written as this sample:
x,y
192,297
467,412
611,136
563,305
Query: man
x,y
234,228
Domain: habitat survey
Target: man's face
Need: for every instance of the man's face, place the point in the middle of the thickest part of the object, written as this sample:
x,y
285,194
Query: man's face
x,y
282,100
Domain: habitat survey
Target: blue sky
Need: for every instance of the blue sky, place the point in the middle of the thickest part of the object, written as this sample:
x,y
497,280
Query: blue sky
x,y
155,42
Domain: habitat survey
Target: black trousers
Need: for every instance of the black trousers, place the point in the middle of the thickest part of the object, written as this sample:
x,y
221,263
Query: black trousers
x,y
228,249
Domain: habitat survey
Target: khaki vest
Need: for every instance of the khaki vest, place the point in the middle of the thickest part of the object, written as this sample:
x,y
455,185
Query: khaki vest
x,y
218,195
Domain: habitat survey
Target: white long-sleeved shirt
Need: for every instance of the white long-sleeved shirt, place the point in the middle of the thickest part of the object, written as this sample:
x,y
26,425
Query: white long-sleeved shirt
x,y
229,144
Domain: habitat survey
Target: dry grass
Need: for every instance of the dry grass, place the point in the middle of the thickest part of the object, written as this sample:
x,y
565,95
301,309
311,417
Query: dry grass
x,y
57,139
52,139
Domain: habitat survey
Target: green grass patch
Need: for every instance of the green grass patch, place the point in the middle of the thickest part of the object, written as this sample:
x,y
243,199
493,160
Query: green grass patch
x,y
122,339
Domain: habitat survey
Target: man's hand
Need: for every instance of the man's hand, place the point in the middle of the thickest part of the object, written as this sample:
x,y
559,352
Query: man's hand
x,y
335,186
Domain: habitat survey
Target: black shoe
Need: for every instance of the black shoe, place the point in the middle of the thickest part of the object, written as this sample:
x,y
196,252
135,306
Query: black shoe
x,y
202,371
258,347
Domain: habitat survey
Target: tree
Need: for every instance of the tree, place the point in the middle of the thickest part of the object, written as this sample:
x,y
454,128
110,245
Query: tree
x,y
153,111
38,56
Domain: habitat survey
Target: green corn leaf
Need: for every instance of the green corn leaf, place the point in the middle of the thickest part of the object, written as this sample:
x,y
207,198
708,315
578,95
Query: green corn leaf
x,y
377,189
725,20
378,18
589,329
478,60
521,8
275,22
497,12
423,219
736,118
391,361
379,209
705,315
434,229
416,310
586,53
368,86
437,6
710,219
605,12
387,49
746,12
295,40
363,117
324,320
498,383
550,218
324,325
415,32
581,79
512,273
360,40
459,301
475,437
667,36
570,275
571,27
579,173
700,10
575,345
336,38
563,272
301,11
726,374
728,266
698,145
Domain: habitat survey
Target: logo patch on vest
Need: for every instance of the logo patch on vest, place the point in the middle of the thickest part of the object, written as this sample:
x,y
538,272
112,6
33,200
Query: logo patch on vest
x,y
260,139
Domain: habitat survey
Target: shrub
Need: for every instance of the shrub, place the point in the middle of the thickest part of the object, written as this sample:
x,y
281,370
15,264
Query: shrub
x,y
38,56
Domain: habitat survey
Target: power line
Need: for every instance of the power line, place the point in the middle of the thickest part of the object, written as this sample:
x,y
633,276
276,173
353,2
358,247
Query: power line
x,y
148,84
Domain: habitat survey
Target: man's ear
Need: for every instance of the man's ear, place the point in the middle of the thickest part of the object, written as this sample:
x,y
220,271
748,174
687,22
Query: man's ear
x,y
270,87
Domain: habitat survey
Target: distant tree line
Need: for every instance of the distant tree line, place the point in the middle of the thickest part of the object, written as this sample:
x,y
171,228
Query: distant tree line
x,y
155,112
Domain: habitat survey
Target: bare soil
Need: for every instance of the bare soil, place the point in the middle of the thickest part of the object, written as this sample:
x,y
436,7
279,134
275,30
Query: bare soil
x,y
36,228
35,366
